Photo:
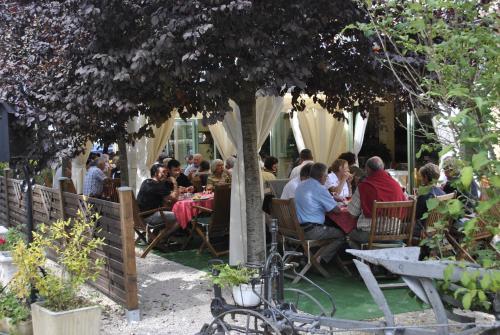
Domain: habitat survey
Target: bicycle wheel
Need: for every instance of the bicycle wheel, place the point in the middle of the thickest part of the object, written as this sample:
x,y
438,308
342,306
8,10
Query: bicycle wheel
x,y
241,321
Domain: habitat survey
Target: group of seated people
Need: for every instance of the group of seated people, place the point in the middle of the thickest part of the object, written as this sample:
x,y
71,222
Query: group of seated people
x,y
319,191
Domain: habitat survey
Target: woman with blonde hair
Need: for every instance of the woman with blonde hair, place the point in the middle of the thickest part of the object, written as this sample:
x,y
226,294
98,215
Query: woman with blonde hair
x,y
219,175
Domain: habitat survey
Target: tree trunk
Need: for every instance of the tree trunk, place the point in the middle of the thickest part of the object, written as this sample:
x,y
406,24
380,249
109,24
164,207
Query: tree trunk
x,y
65,169
255,223
122,149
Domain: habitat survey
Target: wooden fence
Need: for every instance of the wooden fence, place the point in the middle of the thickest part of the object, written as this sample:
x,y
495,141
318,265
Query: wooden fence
x,y
118,278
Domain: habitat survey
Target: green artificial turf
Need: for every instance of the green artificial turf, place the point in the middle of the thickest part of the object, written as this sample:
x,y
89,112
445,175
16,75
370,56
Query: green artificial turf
x,y
352,299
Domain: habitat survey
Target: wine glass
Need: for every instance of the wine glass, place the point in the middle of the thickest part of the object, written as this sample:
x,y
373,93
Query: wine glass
x,y
204,189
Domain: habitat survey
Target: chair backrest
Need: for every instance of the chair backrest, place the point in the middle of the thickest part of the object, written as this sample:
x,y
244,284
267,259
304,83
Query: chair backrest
x,y
109,191
221,209
392,221
434,215
66,185
288,224
138,221
277,186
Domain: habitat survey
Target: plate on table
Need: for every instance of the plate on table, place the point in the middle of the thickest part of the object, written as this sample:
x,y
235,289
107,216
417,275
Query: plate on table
x,y
201,197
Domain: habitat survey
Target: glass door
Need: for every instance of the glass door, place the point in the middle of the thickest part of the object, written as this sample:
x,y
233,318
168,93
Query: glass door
x,y
182,142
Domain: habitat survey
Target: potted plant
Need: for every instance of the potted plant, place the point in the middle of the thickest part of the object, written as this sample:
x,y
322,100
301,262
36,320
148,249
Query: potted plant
x,y
14,315
239,279
60,309
7,242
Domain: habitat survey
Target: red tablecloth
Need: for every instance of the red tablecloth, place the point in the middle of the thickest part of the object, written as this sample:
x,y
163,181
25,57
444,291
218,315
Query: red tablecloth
x,y
184,211
344,220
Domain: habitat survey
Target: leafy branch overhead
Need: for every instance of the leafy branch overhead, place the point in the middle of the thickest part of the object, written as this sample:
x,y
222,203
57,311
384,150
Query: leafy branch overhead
x,y
81,69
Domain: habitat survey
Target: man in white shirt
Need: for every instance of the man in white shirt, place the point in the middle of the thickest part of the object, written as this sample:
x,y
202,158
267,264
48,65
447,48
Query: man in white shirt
x,y
291,186
306,157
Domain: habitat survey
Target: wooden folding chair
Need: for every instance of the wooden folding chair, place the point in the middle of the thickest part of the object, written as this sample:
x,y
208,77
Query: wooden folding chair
x,y
144,231
277,186
109,192
392,223
217,224
292,233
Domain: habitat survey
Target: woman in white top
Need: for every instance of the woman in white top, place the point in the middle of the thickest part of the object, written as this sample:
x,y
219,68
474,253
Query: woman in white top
x,y
339,180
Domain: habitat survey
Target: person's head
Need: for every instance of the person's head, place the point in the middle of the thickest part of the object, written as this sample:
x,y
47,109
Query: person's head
x,y
204,166
116,160
340,165
349,157
217,166
271,164
451,167
319,172
161,157
230,162
158,171
305,172
429,173
306,155
189,159
174,167
101,162
197,159
374,164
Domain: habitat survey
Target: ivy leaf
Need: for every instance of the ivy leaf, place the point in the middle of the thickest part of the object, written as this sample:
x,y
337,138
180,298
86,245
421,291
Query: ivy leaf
x,y
479,160
432,203
467,299
485,205
448,272
465,279
454,206
466,176
495,181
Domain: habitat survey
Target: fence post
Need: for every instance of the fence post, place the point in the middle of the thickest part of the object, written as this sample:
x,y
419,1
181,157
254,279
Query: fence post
x,y
7,174
60,191
128,252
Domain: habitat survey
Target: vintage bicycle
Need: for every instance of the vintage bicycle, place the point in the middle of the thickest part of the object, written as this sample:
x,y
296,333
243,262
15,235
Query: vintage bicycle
x,y
277,315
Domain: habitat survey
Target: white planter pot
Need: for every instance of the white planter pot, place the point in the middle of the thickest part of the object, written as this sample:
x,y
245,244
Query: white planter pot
x,y
245,296
82,321
7,268
21,328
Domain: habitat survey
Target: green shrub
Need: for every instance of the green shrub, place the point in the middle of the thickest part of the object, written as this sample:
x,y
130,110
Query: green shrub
x,y
72,242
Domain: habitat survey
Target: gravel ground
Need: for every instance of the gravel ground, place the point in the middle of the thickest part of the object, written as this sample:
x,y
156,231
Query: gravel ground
x,y
175,299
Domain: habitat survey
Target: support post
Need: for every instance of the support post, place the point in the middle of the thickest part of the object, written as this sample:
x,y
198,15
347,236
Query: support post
x,y
7,174
62,182
410,126
128,252
350,131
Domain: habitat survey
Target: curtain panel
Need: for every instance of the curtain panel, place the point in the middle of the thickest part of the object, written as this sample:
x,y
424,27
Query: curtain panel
x,y
78,167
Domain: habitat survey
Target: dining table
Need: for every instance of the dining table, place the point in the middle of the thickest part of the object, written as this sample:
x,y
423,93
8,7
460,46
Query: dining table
x,y
184,209
344,220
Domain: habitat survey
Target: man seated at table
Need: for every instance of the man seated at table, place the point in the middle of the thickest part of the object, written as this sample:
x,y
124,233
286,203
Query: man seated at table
x,y
174,171
305,157
291,186
193,168
312,203
154,193
377,186
94,179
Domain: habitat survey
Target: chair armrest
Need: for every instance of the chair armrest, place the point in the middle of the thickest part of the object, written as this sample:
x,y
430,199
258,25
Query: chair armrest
x,y
203,209
152,211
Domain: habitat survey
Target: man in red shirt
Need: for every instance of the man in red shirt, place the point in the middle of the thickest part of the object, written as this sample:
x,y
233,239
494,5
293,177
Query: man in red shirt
x,y
377,186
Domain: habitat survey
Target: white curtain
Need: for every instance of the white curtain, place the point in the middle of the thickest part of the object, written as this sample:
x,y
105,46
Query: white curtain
x,y
322,133
146,150
78,167
299,140
359,133
238,222
268,110
223,142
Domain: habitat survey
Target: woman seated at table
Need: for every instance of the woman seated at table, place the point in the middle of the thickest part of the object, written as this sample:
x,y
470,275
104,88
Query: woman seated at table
x,y
429,175
219,175
200,177
339,180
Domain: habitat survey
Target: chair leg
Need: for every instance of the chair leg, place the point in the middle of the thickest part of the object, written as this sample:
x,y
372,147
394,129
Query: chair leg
x,y
153,243
189,237
167,231
302,273
343,266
